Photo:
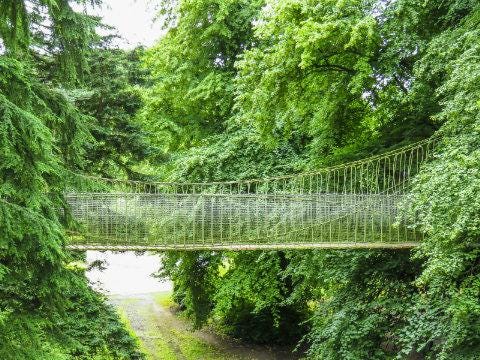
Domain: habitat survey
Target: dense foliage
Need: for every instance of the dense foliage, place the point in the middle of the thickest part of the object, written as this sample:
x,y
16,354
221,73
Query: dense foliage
x,y
192,70
47,310
308,83
242,89
112,98
447,197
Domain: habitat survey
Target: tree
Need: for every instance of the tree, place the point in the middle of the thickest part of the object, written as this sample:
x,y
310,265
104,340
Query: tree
x,y
445,320
42,137
323,82
307,78
192,70
112,100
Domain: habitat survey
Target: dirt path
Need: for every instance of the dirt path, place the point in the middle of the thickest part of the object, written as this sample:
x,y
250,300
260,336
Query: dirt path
x,y
164,336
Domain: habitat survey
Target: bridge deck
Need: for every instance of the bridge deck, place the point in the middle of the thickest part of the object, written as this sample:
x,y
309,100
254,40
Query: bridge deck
x,y
130,221
354,205
245,247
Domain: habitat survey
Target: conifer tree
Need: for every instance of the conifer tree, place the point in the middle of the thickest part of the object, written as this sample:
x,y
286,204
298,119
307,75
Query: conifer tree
x,y
42,137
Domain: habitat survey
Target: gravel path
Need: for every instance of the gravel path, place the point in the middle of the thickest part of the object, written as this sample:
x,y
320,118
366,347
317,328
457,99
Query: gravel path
x,y
164,336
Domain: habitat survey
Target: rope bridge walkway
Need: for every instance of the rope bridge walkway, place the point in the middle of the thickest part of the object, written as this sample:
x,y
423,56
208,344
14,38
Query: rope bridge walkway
x,y
354,205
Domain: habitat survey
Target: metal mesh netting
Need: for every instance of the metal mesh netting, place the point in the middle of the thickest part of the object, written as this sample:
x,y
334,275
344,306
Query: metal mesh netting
x,y
355,204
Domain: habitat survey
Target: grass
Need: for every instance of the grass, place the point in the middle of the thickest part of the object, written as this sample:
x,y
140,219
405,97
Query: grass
x,y
164,299
162,337
190,346
164,351
193,348
128,326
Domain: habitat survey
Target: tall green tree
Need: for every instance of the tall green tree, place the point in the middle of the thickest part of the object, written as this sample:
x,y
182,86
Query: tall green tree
x,y
192,70
112,99
44,304
445,320
310,76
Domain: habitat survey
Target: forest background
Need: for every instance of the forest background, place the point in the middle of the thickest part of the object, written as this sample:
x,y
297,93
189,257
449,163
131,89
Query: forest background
x,y
239,89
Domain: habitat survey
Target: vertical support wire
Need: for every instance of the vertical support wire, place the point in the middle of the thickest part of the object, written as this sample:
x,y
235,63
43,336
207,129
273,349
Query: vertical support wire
x,y
340,207
194,219
364,186
202,203
230,213
313,203
355,208
303,208
376,215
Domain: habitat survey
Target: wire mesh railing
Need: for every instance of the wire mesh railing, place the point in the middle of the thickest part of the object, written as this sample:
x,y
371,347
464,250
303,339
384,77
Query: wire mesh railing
x,y
350,205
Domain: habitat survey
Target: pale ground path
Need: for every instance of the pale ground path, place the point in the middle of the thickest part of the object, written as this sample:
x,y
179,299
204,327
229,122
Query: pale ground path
x,y
164,336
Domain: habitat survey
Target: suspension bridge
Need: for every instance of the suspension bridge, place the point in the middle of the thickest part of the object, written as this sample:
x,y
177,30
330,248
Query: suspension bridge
x,y
354,205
